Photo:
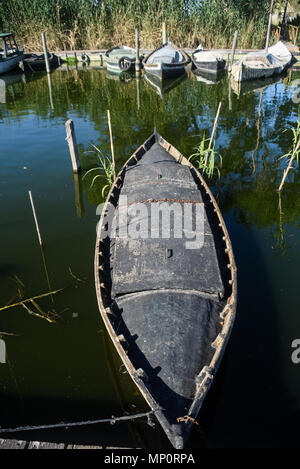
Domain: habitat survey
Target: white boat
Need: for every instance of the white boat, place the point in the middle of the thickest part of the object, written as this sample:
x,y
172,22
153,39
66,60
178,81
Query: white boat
x,y
208,61
10,55
257,65
167,61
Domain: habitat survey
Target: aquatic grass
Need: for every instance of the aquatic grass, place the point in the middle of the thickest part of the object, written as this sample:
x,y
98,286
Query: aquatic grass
x,y
82,24
205,158
293,155
105,170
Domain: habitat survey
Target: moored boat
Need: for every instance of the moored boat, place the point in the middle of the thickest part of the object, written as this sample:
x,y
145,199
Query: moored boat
x,y
256,65
37,63
167,61
168,307
10,55
208,61
120,59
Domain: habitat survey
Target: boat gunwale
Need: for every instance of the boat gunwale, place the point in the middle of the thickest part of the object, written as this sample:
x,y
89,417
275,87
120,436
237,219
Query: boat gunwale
x,y
209,370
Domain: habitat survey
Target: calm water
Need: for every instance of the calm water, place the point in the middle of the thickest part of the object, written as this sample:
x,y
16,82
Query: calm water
x,y
68,371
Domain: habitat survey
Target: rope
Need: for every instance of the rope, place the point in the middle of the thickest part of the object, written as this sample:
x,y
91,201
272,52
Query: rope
x,y
112,421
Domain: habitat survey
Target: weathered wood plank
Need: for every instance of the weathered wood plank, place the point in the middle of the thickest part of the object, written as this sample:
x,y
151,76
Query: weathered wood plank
x,y
45,445
12,444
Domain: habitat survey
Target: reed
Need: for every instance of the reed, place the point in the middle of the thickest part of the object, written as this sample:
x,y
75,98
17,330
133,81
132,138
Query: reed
x,y
293,156
206,159
105,170
82,24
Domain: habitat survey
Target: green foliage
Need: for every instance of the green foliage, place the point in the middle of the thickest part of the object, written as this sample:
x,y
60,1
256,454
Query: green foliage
x,y
205,158
105,172
294,153
90,24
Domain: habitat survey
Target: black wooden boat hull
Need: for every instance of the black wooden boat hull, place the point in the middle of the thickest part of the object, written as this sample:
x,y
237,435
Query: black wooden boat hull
x,y
169,310
37,63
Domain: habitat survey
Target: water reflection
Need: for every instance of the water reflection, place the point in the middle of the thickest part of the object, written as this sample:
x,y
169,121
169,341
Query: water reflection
x,y
163,86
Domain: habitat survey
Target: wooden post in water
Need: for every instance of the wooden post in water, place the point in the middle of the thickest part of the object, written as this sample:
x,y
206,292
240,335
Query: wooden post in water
x,y
137,48
269,27
111,143
164,33
45,52
212,134
71,139
233,50
35,219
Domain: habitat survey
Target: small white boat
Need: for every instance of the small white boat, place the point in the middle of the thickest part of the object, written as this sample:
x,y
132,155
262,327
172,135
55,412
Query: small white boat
x,y
10,55
207,61
120,59
257,65
167,61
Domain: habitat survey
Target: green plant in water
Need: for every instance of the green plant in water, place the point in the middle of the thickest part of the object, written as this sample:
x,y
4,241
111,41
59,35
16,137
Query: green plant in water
x,y
293,155
206,158
105,170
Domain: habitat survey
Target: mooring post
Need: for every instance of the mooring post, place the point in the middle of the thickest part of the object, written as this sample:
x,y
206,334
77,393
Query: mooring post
x,y
71,139
212,134
233,50
269,27
35,218
137,48
45,52
164,33
111,143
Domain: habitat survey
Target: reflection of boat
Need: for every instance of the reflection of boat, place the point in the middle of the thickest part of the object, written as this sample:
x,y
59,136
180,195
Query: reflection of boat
x,y
256,65
166,61
10,55
163,86
9,79
168,332
208,61
120,58
124,77
252,86
208,78
35,63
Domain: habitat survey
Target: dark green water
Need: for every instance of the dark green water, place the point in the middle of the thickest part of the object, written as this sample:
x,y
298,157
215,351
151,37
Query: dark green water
x,y
68,371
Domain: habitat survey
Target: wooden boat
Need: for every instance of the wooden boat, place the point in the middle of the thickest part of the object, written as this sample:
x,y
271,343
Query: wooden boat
x,y
256,65
207,61
10,55
167,61
37,63
163,86
168,309
120,59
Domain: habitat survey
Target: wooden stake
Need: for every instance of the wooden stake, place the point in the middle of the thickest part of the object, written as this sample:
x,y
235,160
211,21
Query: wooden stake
x,y
137,48
269,27
35,218
289,165
71,139
212,135
233,50
164,33
45,52
111,143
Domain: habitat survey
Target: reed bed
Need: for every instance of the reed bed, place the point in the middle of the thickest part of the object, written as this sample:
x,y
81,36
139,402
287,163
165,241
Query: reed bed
x,y
86,24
